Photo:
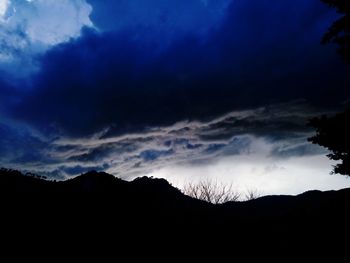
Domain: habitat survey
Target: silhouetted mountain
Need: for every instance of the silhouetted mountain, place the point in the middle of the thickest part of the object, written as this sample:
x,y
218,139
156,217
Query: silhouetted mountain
x,y
99,207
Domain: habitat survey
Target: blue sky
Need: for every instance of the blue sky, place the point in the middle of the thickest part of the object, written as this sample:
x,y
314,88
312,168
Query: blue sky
x,y
157,86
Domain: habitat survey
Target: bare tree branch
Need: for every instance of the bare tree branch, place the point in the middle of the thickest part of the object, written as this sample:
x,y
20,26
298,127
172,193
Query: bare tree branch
x,y
211,192
252,194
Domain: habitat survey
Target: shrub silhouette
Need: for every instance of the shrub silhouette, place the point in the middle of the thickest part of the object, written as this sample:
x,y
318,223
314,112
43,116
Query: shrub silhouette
x,y
218,193
333,133
211,192
252,194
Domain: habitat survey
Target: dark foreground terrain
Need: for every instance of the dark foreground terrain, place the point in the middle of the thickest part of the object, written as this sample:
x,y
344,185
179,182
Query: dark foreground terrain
x,y
98,211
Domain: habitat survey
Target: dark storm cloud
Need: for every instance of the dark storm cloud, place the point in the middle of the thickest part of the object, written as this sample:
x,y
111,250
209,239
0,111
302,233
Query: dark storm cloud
x,y
162,16
135,154
129,79
6,94
24,149
277,122
20,146
130,97
186,142
76,170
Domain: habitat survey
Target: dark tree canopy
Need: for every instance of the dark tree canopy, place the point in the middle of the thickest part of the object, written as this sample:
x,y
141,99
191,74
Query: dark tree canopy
x,y
334,134
339,32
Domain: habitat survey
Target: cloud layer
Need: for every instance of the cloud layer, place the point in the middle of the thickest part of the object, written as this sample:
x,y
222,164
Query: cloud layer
x,y
130,87
237,148
128,78
281,129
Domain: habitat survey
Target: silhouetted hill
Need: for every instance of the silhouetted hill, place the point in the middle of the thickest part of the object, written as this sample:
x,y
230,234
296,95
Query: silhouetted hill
x,y
98,206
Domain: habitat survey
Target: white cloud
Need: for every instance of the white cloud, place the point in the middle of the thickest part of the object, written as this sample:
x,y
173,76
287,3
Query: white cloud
x,y
28,28
3,8
270,176
52,22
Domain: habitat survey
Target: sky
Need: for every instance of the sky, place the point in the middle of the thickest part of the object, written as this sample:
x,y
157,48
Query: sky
x,y
186,90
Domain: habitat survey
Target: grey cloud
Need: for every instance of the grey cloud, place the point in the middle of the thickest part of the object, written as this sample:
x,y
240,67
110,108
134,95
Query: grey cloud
x,y
296,149
282,126
128,155
276,121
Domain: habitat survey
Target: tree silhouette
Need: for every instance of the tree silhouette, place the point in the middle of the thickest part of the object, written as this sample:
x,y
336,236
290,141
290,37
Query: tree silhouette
x,y
339,32
334,134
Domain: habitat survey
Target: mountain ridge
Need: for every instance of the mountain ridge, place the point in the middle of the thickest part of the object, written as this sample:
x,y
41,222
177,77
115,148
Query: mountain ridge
x,y
98,206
